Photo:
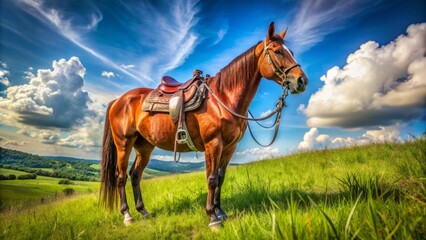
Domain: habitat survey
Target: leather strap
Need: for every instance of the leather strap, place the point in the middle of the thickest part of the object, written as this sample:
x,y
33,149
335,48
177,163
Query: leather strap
x,y
182,134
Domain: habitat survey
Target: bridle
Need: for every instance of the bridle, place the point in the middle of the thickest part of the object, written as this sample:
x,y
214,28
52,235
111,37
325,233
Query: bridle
x,y
281,73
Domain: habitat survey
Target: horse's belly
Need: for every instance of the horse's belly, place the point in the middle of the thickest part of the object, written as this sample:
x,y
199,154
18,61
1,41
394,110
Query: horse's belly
x,y
160,131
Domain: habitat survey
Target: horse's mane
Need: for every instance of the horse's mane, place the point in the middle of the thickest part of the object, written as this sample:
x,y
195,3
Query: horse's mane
x,y
238,71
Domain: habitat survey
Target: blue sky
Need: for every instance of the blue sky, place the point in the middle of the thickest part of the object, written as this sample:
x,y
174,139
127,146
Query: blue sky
x,y
62,61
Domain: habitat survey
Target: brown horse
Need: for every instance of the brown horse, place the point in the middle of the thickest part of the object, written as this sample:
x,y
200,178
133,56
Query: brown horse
x,y
213,129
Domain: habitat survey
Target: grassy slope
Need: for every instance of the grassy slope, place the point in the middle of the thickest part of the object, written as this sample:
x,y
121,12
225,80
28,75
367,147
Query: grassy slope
x,y
21,193
298,196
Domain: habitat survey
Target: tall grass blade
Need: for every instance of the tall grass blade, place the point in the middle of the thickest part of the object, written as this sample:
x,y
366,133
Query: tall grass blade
x,y
372,211
350,216
389,236
330,222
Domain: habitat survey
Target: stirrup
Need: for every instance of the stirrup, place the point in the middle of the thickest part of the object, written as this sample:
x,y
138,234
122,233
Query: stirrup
x,y
181,136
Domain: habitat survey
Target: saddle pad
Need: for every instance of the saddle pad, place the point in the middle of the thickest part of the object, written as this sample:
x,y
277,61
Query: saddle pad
x,y
157,101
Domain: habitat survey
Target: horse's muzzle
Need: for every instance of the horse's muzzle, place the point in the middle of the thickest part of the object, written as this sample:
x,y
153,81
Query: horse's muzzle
x,y
298,85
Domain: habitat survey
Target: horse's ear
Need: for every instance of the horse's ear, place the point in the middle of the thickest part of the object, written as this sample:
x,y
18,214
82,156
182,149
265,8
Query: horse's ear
x,y
282,34
271,31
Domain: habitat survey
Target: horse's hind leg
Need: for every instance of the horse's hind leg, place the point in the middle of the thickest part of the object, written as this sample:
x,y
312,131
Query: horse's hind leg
x,y
143,152
123,153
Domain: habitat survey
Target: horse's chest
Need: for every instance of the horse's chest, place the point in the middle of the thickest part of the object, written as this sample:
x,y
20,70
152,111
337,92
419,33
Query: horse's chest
x,y
234,132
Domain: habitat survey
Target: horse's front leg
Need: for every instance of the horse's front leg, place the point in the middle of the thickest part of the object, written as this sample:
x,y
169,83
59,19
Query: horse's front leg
x,y
224,161
213,155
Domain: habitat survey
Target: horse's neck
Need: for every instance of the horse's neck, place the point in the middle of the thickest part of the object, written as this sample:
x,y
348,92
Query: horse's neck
x,y
239,96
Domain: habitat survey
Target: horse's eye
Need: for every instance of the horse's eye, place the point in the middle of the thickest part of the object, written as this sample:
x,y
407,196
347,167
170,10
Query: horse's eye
x,y
278,52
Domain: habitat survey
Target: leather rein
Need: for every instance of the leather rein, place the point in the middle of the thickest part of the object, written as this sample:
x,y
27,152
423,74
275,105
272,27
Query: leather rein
x,y
282,74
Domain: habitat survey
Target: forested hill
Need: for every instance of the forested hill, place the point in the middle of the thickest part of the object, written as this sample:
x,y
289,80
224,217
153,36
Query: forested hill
x,y
72,169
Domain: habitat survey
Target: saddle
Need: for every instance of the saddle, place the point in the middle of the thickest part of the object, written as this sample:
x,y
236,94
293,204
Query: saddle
x,y
170,95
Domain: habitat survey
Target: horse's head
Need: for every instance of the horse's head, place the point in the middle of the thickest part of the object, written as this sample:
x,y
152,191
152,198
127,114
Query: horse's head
x,y
278,64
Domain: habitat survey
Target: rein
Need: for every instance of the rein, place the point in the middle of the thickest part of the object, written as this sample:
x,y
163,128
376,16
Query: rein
x,y
278,109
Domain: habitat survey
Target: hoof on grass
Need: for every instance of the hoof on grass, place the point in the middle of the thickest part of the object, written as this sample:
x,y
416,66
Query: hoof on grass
x,y
128,221
216,225
146,214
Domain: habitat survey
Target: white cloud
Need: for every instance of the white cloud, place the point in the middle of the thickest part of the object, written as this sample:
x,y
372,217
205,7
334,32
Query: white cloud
x,y
45,136
313,140
3,74
314,19
107,74
52,98
379,86
88,135
127,66
169,32
266,113
4,142
53,107
220,34
257,153
322,139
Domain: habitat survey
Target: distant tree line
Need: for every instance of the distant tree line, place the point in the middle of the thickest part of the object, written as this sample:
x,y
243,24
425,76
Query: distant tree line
x,y
30,163
23,176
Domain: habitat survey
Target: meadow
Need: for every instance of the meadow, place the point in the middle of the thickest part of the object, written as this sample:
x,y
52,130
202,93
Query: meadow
x,y
365,192
19,194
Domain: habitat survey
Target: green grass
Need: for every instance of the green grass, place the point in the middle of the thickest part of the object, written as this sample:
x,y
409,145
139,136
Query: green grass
x,y
369,192
17,194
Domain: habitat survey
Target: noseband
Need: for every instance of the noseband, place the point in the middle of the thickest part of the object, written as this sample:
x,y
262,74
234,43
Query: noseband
x,y
282,74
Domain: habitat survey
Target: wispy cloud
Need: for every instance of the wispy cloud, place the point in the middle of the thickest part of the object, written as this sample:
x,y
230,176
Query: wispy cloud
x,y
64,27
169,32
220,34
314,19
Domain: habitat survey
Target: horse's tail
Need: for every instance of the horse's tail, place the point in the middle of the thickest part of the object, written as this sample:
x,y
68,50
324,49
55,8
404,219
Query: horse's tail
x,y
108,192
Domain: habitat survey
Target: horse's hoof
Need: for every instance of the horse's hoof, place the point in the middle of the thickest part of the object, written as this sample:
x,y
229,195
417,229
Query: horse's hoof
x,y
128,221
215,225
145,214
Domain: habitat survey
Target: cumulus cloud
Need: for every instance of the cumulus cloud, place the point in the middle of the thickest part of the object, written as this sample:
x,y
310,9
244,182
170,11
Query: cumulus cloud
x,y
53,107
108,74
3,75
45,136
313,140
51,98
379,86
257,153
4,142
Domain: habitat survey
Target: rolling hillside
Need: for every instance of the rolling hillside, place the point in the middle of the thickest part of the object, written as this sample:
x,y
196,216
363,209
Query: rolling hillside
x,y
368,192
81,169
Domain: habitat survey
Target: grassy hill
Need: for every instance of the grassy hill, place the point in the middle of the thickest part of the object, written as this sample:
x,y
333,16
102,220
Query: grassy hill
x,y
368,192
19,194
82,169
